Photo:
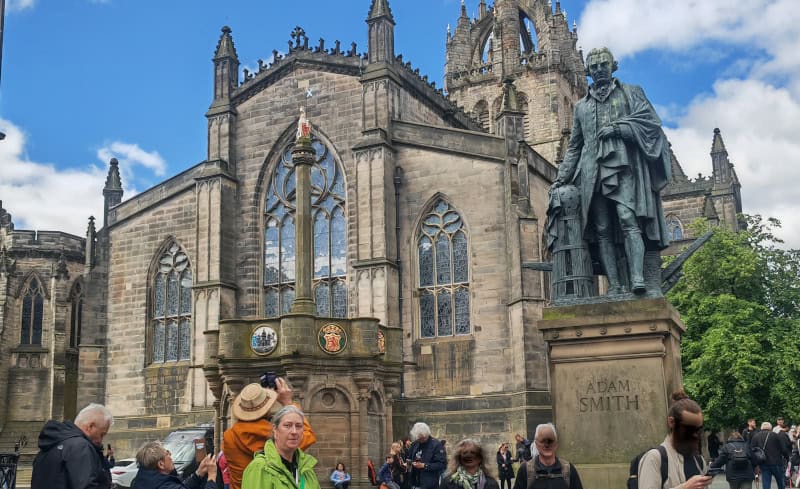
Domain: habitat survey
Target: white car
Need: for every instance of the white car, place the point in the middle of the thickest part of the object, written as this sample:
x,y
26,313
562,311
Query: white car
x,y
123,472
180,444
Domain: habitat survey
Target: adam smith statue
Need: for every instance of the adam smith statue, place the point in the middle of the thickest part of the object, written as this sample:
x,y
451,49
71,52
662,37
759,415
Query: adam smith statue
x,y
619,160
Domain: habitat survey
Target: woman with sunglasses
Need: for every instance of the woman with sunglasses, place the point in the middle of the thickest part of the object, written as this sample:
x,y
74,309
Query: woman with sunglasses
x,y
685,466
546,470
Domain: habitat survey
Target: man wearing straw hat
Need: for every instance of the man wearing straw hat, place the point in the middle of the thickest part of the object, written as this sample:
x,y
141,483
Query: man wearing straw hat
x,y
252,409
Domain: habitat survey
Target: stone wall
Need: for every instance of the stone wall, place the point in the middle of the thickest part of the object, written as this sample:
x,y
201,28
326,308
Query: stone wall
x,y
136,243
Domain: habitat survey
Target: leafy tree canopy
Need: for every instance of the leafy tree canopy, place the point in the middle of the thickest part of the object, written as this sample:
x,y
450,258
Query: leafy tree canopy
x,y
739,298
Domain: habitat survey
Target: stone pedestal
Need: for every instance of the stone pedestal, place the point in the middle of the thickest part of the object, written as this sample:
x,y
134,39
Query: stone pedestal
x,y
613,367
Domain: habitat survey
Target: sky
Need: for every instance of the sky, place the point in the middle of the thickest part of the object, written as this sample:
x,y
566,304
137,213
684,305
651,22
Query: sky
x,y
87,80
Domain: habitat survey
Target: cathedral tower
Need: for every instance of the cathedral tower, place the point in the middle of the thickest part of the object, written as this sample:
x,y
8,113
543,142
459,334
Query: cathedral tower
x,y
526,41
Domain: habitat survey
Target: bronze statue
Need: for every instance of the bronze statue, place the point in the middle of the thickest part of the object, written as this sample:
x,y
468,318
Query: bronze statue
x,y
618,160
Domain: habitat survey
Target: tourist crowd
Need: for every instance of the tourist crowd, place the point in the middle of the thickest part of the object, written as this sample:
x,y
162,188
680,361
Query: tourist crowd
x,y
265,449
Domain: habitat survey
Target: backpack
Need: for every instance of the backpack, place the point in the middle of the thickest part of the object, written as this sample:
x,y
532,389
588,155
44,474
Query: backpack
x,y
533,476
373,477
633,477
739,456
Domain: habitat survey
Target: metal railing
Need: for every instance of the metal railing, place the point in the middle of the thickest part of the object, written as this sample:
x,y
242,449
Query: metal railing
x,y
8,465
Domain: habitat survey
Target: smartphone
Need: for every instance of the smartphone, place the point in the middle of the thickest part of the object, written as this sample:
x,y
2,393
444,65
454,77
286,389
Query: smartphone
x,y
199,449
714,471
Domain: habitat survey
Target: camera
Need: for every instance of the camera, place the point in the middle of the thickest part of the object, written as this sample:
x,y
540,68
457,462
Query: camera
x,y
268,380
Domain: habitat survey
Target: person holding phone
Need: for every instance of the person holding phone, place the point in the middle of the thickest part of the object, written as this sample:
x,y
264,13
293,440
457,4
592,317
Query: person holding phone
x,y
427,456
253,427
686,468
157,469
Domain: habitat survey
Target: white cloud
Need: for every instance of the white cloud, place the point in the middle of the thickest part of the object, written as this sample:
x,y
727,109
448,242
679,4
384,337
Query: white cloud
x,y
759,125
755,102
40,196
130,155
17,5
43,197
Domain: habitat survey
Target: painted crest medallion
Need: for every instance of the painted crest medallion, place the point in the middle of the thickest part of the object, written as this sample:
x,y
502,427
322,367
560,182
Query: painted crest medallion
x,y
264,340
332,338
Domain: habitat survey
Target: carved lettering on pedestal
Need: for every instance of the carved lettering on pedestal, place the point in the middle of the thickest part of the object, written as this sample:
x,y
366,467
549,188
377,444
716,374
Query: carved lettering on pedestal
x,y
608,395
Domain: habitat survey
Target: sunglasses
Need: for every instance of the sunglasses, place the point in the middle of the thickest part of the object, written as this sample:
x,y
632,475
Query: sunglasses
x,y
546,441
689,428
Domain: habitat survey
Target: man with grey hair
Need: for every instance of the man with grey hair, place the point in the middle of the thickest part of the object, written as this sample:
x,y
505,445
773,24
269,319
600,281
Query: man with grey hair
x,y
71,453
427,458
546,470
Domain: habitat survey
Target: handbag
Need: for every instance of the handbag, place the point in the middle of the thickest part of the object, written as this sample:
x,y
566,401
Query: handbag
x,y
758,456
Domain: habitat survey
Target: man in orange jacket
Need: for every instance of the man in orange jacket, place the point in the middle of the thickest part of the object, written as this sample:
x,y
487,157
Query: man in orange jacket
x,y
253,427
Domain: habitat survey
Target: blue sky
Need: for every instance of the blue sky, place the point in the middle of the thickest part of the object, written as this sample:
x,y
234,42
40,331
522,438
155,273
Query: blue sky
x,y
84,80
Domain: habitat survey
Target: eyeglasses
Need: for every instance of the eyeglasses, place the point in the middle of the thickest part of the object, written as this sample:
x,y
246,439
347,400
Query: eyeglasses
x,y
546,441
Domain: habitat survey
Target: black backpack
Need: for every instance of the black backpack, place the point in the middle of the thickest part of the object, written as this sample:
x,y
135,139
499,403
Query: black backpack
x,y
739,456
633,477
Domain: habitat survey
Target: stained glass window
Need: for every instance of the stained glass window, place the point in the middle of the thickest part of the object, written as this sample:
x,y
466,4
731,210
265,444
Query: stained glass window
x,y
32,313
674,228
172,341
172,307
329,229
443,273
76,315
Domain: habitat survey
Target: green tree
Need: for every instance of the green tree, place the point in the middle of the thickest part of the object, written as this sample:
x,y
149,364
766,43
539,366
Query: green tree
x,y
739,298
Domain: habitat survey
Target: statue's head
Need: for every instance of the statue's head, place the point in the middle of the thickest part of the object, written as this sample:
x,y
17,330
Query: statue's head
x,y
600,64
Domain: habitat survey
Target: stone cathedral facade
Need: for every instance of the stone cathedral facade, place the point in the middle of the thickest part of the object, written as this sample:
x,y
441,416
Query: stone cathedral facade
x,y
426,204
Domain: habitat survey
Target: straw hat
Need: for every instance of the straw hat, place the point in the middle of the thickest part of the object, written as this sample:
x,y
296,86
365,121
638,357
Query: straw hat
x,y
253,402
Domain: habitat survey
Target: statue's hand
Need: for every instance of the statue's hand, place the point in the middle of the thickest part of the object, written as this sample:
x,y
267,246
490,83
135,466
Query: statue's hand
x,y
606,132
558,183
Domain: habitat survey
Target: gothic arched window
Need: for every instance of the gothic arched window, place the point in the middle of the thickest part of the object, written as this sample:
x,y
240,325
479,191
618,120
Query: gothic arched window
x,y
443,273
481,114
32,313
330,235
172,307
674,228
76,315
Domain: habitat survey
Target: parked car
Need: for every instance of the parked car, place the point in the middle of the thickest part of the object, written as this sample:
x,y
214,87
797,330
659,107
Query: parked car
x,y
123,472
180,443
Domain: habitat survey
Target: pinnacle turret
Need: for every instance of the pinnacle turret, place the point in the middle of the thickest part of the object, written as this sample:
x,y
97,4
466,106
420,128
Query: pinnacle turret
x,y
5,219
718,145
723,169
380,33
226,69
225,46
112,192
380,8
113,180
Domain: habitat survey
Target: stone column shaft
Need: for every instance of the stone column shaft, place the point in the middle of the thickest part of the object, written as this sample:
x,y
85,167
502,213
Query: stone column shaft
x,y
303,158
